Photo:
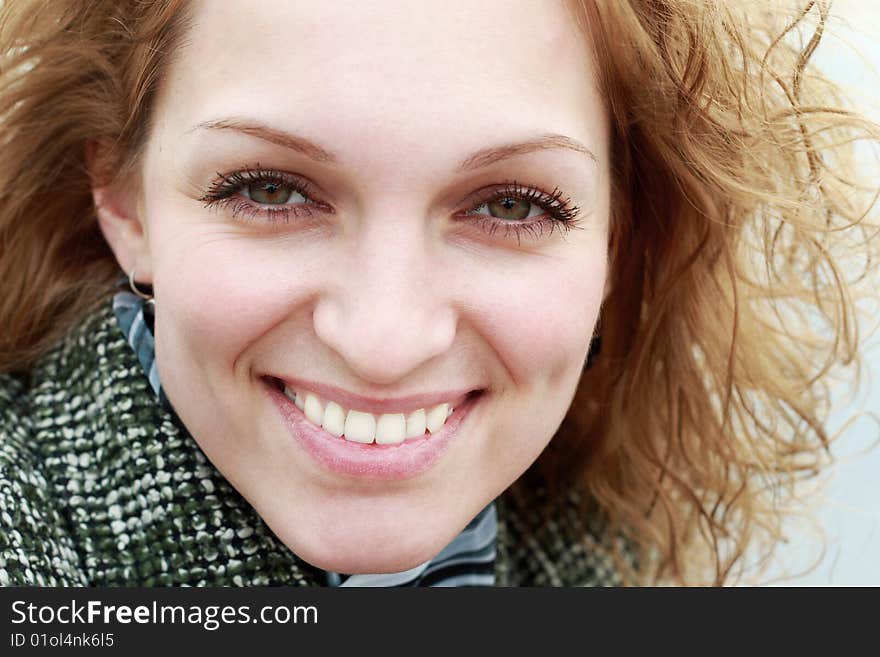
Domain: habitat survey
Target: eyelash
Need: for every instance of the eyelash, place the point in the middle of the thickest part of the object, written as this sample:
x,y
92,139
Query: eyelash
x,y
559,212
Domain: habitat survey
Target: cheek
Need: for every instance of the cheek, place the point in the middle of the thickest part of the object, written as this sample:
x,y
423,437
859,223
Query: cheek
x,y
218,294
539,318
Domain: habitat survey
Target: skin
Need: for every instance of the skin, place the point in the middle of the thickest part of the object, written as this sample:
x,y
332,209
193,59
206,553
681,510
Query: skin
x,y
399,289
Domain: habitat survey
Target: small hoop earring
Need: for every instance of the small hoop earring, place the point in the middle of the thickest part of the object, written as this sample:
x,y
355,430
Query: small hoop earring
x,y
147,297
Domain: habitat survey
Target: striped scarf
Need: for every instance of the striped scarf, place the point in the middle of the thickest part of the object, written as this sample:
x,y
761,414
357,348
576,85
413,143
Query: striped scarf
x,y
469,560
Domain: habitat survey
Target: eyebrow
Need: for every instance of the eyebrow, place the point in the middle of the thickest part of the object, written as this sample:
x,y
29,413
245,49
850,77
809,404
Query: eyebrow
x,y
477,160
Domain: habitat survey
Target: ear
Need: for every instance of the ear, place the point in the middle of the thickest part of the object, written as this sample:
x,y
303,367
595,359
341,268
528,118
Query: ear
x,y
119,211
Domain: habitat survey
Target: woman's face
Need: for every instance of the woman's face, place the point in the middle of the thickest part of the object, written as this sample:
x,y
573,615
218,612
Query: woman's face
x,y
388,206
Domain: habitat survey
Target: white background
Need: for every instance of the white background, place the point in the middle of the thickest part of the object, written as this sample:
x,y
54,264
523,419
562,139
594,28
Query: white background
x,y
849,514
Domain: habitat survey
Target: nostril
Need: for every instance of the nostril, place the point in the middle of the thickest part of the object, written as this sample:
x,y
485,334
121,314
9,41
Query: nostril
x,y
275,382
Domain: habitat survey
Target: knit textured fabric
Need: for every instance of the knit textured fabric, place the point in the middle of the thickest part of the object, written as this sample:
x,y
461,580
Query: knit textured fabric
x,y
101,485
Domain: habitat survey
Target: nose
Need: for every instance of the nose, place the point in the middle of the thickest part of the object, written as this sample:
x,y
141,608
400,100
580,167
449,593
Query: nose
x,y
388,311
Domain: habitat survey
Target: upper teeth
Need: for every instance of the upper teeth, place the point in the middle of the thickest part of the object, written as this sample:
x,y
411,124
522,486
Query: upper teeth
x,y
361,427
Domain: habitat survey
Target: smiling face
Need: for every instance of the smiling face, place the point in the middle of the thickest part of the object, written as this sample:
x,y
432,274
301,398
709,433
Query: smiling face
x,y
388,206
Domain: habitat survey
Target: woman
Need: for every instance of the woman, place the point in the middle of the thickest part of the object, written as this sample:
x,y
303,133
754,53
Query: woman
x,y
487,294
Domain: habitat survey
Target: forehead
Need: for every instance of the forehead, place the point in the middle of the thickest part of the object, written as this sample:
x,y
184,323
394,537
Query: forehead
x,y
363,68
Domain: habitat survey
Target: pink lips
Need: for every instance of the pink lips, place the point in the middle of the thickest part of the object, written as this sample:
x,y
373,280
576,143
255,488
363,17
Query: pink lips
x,y
400,461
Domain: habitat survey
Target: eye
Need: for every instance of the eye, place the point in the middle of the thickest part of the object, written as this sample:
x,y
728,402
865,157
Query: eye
x,y
513,210
256,193
273,193
510,209
516,203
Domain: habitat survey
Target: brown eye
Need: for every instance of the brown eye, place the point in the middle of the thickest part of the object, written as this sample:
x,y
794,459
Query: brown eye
x,y
273,193
509,208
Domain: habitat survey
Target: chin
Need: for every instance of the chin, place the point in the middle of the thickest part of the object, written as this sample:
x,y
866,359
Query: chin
x,y
366,549
344,559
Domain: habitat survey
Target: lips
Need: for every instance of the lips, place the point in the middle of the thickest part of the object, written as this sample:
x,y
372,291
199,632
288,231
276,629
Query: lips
x,y
372,460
